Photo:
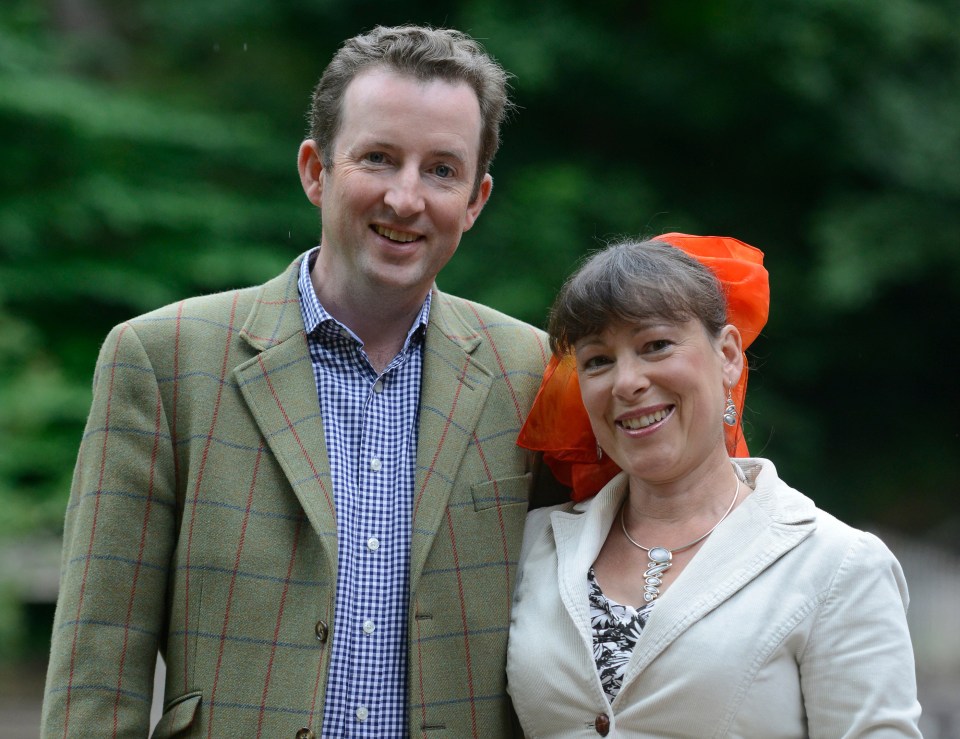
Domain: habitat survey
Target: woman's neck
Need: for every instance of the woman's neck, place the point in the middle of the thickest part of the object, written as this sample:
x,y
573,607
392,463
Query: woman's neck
x,y
698,498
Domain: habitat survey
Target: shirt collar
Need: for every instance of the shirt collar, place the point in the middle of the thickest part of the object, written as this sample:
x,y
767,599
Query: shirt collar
x,y
319,323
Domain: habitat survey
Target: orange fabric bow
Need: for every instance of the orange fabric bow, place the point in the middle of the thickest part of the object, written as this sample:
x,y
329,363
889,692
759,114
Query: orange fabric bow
x,y
558,424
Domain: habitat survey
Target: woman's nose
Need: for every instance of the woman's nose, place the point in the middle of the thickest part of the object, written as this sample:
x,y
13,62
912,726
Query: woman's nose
x,y
630,379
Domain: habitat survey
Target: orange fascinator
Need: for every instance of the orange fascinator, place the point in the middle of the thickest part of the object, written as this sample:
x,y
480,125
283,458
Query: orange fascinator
x,y
558,424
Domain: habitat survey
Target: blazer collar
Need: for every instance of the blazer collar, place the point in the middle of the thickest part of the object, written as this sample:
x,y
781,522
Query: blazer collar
x,y
275,316
278,385
770,521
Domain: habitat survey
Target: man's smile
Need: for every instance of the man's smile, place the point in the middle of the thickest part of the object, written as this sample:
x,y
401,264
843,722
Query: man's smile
x,y
401,236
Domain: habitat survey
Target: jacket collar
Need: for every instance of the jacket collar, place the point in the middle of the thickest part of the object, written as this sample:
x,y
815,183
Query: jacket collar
x,y
279,388
773,519
275,316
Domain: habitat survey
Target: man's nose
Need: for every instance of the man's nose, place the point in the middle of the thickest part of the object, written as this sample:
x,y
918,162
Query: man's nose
x,y
405,193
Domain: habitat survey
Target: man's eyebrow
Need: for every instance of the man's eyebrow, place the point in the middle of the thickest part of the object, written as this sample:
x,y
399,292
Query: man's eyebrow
x,y
376,145
450,154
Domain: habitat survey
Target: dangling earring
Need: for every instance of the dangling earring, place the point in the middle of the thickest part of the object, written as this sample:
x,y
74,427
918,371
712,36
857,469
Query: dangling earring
x,y
599,452
730,412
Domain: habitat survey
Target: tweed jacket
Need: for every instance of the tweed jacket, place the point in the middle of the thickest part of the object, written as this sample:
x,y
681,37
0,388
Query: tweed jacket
x,y
786,623
201,523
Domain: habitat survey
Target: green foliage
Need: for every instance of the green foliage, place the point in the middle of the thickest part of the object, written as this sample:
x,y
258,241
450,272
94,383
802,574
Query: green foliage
x,y
12,626
149,154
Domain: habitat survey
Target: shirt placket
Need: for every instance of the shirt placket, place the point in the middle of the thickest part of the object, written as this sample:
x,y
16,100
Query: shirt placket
x,y
376,470
366,692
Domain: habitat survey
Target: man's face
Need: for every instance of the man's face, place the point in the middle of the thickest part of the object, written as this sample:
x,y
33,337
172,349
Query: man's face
x,y
397,198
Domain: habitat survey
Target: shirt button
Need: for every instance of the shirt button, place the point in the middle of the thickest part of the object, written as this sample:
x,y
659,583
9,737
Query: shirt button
x,y
373,543
305,734
375,464
321,631
378,387
602,724
362,713
368,626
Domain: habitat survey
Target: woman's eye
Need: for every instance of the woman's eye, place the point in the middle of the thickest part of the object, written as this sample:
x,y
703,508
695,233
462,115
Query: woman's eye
x,y
659,345
376,157
595,362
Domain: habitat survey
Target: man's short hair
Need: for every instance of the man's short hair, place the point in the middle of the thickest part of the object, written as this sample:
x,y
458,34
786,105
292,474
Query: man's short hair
x,y
425,54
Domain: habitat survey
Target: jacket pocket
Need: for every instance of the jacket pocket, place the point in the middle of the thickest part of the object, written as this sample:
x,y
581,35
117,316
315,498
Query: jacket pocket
x,y
178,716
503,492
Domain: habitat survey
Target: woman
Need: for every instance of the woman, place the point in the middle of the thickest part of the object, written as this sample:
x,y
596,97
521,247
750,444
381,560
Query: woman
x,y
695,595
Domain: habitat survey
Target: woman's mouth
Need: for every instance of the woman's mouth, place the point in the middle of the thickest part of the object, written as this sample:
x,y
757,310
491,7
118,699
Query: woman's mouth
x,y
641,422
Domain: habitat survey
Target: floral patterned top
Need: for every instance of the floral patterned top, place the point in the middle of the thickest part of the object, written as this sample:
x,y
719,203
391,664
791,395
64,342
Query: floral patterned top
x,y
616,629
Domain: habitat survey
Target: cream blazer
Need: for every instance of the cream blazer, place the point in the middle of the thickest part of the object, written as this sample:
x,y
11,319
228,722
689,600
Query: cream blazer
x,y
786,623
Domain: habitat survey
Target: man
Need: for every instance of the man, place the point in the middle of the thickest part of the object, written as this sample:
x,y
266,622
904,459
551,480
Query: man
x,y
308,495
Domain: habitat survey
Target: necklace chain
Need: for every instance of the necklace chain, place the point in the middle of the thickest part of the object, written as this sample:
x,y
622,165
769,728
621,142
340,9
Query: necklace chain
x,y
700,538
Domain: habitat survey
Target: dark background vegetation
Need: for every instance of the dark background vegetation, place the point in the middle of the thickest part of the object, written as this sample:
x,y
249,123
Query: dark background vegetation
x,y
147,153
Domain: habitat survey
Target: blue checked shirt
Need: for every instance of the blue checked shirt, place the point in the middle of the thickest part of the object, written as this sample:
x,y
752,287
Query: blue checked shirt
x,y
370,426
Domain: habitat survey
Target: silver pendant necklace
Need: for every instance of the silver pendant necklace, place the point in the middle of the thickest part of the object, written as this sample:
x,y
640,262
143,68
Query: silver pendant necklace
x,y
661,557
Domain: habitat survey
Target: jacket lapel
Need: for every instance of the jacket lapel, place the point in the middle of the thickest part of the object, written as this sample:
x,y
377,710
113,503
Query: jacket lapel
x,y
762,529
579,536
770,522
279,388
454,388
277,384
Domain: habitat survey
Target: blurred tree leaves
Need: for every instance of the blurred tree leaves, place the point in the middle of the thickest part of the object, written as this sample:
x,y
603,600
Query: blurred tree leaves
x,y
149,154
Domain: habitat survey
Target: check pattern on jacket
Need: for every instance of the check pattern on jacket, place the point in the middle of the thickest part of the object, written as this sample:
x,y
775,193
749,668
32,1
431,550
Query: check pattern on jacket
x,y
201,523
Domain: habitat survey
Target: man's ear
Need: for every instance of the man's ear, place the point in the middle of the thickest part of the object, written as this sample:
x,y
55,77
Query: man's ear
x,y
474,208
310,166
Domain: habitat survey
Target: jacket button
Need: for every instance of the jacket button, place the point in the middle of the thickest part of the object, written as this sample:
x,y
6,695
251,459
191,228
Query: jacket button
x,y
321,631
602,724
305,734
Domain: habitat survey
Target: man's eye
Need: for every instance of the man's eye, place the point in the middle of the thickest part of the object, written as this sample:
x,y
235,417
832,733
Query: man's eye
x,y
442,170
376,157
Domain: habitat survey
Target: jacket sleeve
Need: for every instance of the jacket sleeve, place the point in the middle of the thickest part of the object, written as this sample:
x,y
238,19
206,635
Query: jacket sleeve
x,y
118,538
857,672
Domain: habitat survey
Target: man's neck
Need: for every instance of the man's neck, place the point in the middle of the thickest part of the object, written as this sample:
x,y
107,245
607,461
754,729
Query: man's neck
x,y
380,319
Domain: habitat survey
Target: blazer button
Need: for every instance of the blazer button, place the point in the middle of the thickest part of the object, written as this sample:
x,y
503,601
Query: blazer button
x,y
602,724
305,734
322,632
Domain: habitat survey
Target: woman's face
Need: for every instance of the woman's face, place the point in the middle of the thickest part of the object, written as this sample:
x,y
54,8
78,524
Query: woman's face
x,y
655,394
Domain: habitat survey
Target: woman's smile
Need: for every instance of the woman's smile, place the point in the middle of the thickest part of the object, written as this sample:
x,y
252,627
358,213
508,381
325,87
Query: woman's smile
x,y
635,422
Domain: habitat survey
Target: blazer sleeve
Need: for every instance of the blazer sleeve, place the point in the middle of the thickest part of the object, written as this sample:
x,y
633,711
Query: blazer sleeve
x,y
857,672
118,538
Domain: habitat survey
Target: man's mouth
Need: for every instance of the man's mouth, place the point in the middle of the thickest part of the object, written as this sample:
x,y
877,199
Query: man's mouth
x,y
402,236
641,422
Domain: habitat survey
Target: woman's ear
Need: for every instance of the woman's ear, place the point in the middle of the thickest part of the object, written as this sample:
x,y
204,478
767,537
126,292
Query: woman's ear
x,y
731,351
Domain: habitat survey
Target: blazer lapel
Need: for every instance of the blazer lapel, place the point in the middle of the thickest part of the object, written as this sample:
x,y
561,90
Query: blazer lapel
x,y
453,391
280,390
579,536
760,531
